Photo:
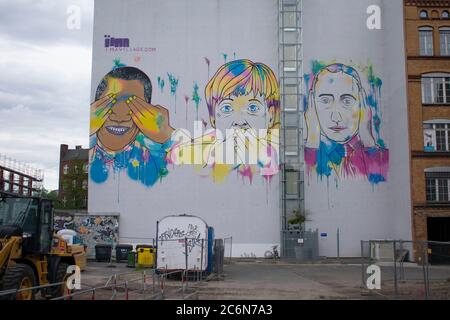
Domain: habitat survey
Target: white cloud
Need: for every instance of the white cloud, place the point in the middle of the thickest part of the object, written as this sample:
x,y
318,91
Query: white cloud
x,y
45,82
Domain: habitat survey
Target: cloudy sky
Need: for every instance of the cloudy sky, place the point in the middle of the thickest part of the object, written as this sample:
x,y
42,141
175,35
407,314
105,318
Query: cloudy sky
x,y
45,81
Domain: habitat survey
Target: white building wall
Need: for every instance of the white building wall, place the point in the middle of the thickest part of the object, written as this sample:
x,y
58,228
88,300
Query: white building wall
x,y
183,33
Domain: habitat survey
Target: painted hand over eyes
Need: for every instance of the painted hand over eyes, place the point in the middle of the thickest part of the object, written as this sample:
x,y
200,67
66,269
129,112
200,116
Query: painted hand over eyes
x,y
153,121
100,111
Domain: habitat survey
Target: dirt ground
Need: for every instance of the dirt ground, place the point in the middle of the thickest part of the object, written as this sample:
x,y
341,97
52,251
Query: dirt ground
x,y
261,279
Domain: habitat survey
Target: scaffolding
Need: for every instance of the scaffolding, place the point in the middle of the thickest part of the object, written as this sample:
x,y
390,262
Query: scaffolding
x,y
19,177
290,52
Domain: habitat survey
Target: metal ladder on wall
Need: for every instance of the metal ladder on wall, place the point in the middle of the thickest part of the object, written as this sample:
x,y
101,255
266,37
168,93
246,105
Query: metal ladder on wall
x,y
290,50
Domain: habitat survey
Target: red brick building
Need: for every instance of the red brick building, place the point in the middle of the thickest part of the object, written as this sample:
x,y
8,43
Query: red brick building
x,y
73,177
427,33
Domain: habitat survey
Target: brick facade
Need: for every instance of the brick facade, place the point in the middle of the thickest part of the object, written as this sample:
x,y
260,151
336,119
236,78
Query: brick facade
x,y
418,112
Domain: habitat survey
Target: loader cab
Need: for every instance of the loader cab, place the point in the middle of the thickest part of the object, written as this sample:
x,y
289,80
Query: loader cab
x,y
29,218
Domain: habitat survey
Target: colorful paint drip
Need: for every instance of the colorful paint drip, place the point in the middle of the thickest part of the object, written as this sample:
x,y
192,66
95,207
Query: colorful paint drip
x,y
344,124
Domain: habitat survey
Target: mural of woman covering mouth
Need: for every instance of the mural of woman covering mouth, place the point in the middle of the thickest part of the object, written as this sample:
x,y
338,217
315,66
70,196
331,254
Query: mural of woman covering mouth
x,y
126,130
343,127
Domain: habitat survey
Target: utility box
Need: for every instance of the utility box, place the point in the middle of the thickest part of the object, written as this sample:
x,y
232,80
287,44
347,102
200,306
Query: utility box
x,y
182,243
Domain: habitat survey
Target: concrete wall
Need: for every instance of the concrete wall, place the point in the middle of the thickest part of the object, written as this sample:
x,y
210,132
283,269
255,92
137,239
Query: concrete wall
x,y
189,40
362,204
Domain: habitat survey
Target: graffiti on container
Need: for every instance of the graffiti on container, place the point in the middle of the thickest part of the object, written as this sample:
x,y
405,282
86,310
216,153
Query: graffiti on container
x,y
97,230
61,222
192,235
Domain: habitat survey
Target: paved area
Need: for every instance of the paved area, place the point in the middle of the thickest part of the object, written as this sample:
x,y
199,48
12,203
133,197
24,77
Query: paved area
x,y
278,281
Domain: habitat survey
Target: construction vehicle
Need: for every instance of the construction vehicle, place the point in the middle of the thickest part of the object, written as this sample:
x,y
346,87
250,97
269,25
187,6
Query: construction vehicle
x,y
30,253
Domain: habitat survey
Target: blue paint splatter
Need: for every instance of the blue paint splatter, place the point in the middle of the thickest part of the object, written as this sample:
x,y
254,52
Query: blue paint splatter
x,y
161,84
144,164
225,56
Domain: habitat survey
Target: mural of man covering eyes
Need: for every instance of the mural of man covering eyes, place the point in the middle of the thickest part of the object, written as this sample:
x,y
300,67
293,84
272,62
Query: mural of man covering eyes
x,y
127,131
242,95
343,125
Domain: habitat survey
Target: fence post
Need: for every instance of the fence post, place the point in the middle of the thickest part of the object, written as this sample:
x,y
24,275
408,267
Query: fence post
x,y
338,245
395,268
231,249
93,294
186,252
362,265
126,290
115,286
143,282
153,280
201,261
425,284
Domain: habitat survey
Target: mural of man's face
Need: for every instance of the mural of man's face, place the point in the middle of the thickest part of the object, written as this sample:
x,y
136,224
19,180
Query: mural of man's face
x,y
242,112
119,130
337,103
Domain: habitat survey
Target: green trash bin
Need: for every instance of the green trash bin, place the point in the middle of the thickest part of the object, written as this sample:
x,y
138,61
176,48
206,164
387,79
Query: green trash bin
x,y
131,259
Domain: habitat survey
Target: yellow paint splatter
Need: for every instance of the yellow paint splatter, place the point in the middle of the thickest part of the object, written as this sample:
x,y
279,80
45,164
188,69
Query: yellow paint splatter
x,y
220,172
135,163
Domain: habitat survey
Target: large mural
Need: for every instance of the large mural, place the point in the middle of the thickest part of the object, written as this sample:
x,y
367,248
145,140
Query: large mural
x,y
343,120
243,102
128,132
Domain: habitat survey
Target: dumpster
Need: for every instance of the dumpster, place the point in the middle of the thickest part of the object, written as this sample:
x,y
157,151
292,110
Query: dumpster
x,y
131,259
103,252
122,252
145,256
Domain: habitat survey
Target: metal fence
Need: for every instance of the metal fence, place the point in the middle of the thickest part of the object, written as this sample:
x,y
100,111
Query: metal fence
x,y
228,249
408,269
136,285
148,284
301,245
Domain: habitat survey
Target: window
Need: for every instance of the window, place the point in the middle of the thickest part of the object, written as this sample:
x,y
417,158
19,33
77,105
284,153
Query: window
x,y
426,41
437,136
436,89
85,184
74,184
292,178
445,14
291,142
445,41
423,14
437,186
85,167
66,169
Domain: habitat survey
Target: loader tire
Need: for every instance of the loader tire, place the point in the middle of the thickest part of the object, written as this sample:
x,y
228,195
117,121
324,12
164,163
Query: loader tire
x,y
19,276
61,276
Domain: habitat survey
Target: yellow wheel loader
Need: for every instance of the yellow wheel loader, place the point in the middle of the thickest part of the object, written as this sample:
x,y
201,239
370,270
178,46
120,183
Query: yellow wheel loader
x,y
30,254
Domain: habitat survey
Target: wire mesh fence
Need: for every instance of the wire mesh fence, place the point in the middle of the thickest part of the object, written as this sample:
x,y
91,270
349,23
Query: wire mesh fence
x,y
406,269
228,249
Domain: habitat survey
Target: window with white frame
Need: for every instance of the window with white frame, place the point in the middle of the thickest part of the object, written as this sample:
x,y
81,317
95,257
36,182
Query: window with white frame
x,y
436,88
66,169
426,41
445,41
436,135
437,186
